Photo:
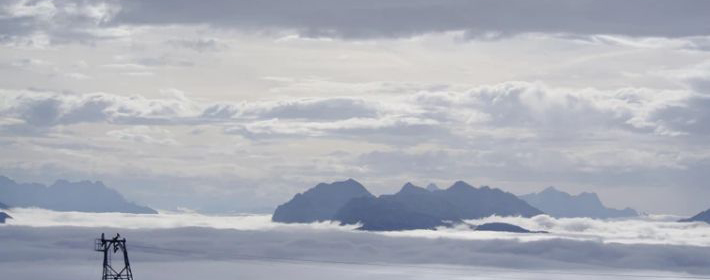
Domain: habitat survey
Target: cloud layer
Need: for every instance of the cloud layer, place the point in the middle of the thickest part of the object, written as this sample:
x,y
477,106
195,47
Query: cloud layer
x,y
662,230
519,108
79,20
249,237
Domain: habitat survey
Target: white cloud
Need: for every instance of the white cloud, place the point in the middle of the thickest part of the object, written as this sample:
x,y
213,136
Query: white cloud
x,y
50,108
654,229
76,76
576,245
57,21
144,134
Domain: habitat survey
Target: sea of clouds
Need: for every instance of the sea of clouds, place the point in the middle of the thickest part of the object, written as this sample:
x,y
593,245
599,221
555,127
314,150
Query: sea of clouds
x,y
651,229
170,242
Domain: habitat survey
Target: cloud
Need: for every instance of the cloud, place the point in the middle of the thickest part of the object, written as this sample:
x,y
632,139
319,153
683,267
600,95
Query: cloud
x,y
513,135
690,117
653,229
237,238
199,45
60,21
393,127
663,18
43,109
505,110
329,108
41,23
144,134
406,18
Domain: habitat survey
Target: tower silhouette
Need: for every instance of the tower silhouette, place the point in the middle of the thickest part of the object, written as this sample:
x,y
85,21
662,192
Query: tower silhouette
x,y
111,247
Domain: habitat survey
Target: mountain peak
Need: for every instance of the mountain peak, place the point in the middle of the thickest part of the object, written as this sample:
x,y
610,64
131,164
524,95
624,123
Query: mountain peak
x,y
551,189
432,187
319,203
460,185
410,188
349,184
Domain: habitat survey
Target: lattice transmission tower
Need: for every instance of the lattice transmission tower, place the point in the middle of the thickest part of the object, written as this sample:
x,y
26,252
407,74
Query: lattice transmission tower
x,y
111,247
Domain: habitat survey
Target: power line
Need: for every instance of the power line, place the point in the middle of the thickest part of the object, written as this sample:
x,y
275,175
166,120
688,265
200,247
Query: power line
x,y
477,268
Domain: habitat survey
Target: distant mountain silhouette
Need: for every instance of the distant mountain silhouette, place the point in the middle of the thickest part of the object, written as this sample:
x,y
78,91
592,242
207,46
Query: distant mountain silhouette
x,y
418,208
701,217
83,196
3,206
3,217
563,205
411,208
319,203
476,203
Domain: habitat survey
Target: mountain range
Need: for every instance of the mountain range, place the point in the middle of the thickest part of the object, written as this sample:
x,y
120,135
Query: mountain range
x,y
412,207
83,196
701,217
560,204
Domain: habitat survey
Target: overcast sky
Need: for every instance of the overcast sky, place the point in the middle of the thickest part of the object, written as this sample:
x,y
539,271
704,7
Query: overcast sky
x,y
237,105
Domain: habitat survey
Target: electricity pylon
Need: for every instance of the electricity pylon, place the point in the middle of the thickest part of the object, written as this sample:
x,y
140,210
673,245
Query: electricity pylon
x,y
111,247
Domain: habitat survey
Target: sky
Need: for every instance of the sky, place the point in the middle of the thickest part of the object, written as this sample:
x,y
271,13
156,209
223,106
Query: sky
x,y
235,106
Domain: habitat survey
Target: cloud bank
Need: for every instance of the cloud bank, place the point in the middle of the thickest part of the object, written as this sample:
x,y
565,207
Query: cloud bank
x,y
517,106
247,238
63,20
660,229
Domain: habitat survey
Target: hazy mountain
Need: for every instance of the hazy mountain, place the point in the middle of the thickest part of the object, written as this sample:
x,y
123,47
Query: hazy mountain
x,y
475,203
701,217
384,215
319,203
432,187
418,208
83,196
411,208
3,217
563,205
3,206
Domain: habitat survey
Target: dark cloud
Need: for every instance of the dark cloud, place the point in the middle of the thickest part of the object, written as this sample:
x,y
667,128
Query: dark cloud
x,y
59,21
79,20
401,18
690,117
